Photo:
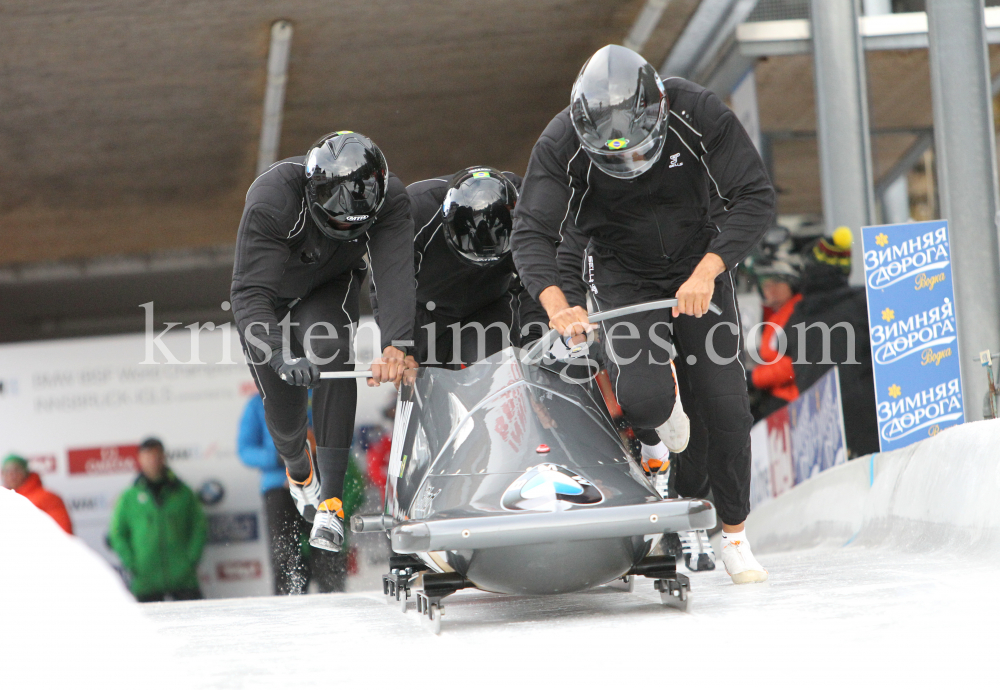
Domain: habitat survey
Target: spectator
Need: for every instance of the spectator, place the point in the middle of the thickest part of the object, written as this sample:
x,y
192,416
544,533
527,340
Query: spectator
x,y
293,563
17,477
772,383
158,530
828,300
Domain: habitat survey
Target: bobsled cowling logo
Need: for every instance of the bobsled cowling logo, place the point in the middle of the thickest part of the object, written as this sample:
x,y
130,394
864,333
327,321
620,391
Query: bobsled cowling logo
x,y
355,219
906,259
550,487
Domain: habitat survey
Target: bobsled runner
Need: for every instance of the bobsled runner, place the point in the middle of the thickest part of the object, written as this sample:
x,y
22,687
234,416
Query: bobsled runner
x,y
513,476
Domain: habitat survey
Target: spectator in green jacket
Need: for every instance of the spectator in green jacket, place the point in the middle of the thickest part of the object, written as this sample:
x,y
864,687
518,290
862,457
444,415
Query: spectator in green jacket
x,y
158,530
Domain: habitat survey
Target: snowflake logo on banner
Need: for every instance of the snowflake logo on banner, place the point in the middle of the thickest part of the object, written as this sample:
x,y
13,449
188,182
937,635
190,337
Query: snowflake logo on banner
x,y
888,314
895,391
881,239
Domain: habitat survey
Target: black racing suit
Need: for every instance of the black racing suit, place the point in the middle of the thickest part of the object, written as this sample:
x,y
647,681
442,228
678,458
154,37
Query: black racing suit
x,y
646,237
286,268
487,307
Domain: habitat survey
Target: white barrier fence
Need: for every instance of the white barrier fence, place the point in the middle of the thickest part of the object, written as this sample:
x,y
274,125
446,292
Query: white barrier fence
x,y
940,493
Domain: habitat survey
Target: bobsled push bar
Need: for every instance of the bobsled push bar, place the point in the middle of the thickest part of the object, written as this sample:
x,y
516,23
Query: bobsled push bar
x,y
538,350
416,536
549,339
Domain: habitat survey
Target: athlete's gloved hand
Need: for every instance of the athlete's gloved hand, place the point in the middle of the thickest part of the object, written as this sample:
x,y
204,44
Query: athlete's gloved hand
x,y
295,371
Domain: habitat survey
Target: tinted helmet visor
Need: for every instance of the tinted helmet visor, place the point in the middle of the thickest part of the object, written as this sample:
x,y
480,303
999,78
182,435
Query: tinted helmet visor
x,y
477,213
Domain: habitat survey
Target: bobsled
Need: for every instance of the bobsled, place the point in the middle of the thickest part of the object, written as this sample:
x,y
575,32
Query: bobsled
x,y
514,476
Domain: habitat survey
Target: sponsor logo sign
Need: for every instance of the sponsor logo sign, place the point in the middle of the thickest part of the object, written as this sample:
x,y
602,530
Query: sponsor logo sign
x,y
911,313
798,441
43,464
232,528
233,571
103,460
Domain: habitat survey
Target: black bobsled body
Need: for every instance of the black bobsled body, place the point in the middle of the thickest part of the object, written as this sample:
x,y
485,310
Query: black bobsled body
x,y
516,478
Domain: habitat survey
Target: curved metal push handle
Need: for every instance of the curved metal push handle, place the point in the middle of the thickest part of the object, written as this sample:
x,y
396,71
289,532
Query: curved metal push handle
x,y
345,375
537,351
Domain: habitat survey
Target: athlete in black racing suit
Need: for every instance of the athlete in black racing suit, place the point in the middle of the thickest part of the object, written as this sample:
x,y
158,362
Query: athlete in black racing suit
x,y
638,164
467,290
307,226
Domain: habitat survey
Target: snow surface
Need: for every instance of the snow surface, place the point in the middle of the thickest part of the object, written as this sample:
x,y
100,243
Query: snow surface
x,y
66,619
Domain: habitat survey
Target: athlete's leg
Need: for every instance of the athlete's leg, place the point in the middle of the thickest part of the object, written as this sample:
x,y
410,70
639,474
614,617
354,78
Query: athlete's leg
x,y
718,402
325,324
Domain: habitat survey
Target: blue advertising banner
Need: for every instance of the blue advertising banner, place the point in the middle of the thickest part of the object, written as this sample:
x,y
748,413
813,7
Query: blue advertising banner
x,y
911,316
816,420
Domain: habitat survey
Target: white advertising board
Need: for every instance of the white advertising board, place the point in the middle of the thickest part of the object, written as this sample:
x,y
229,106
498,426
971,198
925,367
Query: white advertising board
x,y
77,408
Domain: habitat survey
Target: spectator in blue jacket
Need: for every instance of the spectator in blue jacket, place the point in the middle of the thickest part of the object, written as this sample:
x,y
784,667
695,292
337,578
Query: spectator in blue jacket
x,y
294,564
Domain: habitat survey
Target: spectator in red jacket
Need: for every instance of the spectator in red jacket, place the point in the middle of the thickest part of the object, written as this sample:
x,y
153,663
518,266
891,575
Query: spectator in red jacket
x,y
17,477
774,380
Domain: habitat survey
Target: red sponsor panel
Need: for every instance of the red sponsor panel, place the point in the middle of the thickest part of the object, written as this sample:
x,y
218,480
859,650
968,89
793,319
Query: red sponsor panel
x,y
233,571
104,460
43,464
779,442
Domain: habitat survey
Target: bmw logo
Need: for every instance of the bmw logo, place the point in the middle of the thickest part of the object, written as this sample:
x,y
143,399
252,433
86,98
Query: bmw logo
x,y
550,487
211,492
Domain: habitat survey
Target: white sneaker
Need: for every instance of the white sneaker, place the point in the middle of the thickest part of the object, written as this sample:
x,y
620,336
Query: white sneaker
x,y
740,563
328,529
676,431
306,494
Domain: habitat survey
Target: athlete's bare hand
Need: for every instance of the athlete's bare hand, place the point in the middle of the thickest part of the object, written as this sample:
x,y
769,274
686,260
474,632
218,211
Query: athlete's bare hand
x,y
389,367
410,373
571,321
694,296
566,320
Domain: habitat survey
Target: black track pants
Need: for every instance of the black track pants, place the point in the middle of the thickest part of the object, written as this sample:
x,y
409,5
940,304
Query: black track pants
x,y
334,402
711,379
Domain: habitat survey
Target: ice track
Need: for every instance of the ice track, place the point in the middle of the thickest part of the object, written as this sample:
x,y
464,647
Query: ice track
x,y
827,616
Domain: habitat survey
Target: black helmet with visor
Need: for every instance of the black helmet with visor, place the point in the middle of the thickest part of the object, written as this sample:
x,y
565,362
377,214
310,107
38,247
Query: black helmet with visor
x,y
477,217
346,178
619,111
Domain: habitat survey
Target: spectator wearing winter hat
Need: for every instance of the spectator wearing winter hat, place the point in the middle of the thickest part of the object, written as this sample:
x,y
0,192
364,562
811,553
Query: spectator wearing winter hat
x,y
831,310
17,477
772,381
158,530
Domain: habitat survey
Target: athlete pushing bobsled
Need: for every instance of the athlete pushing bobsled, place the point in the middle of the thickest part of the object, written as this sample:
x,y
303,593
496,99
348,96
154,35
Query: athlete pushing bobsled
x,y
639,164
300,259
470,302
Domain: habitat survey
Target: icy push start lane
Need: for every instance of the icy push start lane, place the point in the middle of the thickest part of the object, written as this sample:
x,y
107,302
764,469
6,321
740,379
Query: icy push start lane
x,y
827,615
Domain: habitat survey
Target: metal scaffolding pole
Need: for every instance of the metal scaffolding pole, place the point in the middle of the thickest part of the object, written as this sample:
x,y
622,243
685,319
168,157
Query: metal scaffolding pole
x,y
274,95
845,156
965,149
